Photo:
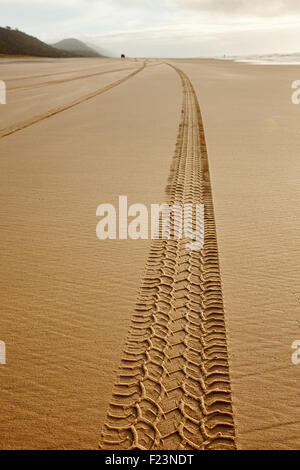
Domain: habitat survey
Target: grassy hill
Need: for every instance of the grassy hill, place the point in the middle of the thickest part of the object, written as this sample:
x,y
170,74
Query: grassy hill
x,y
14,42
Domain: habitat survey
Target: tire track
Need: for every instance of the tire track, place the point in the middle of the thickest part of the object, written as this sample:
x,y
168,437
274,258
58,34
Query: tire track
x,y
173,386
31,77
23,125
66,80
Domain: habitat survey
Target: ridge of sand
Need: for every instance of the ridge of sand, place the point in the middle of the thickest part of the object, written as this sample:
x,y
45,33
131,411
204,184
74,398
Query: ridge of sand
x,y
173,385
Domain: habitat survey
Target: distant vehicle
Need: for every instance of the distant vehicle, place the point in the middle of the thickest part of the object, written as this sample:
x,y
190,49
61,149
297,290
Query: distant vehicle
x,y
122,56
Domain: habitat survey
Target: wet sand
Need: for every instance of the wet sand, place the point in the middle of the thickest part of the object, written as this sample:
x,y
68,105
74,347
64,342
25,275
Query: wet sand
x,y
68,299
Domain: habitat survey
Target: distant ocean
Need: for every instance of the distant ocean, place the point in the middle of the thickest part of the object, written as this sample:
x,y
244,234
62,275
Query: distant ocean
x,y
268,59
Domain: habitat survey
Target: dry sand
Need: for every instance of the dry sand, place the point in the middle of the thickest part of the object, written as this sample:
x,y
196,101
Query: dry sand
x,y
252,132
68,299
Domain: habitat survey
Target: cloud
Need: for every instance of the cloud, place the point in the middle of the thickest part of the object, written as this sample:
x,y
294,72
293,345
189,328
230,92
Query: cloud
x,y
257,8
31,4
162,27
205,40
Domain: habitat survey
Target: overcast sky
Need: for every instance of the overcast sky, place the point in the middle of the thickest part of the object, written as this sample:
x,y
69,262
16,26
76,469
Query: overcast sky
x,y
163,28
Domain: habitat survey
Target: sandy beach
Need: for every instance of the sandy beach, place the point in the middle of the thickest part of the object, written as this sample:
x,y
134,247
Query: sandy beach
x,y
142,344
